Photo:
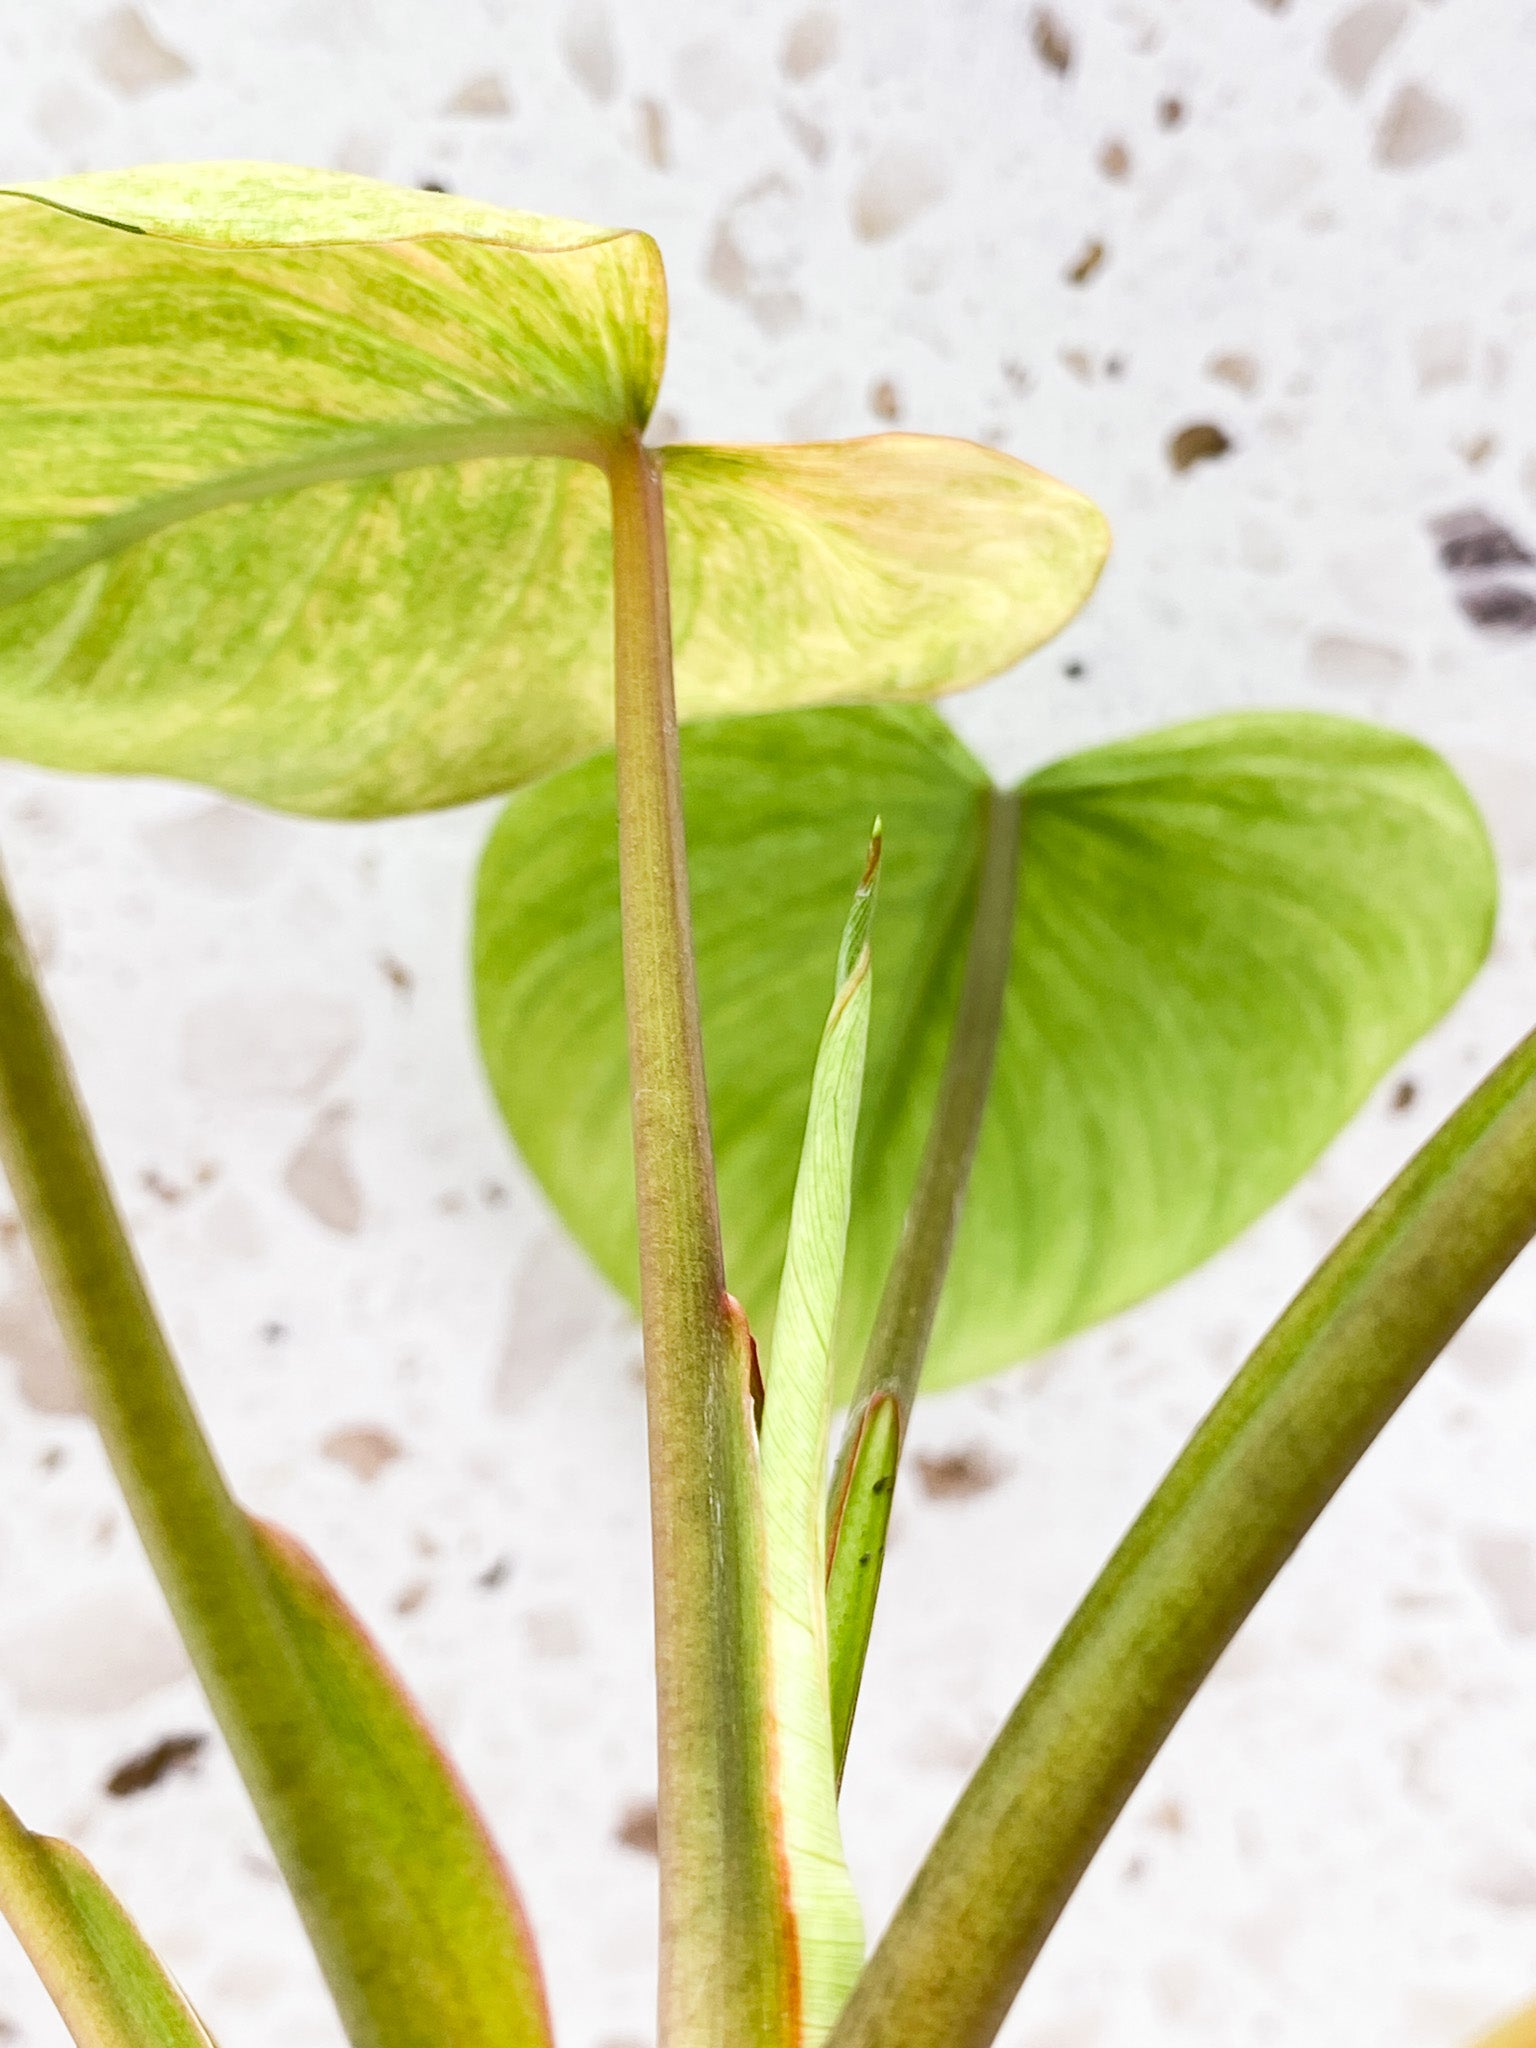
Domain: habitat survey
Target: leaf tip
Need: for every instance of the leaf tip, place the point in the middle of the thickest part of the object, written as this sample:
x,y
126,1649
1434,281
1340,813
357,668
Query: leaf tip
x,y
851,954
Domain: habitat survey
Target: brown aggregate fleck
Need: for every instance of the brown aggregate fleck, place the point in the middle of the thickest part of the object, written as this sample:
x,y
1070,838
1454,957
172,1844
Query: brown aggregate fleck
x,y
636,1828
1472,540
1501,609
482,98
957,1475
655,134
885,400
131,57
1416,128
1234,367
1202,441
171,1754
1050,41
1115,159
364,1449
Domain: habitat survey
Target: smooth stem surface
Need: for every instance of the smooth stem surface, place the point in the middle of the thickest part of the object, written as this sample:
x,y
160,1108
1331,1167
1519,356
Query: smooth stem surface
x,y
1245,1491
898,1344
198,1538
727,1963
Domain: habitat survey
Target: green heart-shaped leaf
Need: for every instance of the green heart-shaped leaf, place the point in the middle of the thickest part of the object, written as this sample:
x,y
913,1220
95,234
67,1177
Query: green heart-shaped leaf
x,y
303,498
1225,934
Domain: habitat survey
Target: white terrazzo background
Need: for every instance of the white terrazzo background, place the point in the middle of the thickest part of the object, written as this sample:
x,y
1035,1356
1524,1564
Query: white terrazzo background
x,y
1322,240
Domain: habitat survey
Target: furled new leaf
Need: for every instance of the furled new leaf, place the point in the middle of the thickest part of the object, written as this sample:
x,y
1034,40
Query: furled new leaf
x,y
797,1415
109,1986
1225,933
864,1477
299,499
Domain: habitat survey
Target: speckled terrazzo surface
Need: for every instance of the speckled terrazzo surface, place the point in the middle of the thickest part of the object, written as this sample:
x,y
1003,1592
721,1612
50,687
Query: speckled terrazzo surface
x,y
1290,246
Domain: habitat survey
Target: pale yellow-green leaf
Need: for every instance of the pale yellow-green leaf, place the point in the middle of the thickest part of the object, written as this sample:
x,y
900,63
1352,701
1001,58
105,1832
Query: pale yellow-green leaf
x,y
1517,2032
299,500
110,1988
268,515
234,205
797,1413
900,566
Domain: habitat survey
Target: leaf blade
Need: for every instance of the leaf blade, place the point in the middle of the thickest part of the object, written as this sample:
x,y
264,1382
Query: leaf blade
x,y
897,566
299,503
257,642
418,1812
1235,927
1323,887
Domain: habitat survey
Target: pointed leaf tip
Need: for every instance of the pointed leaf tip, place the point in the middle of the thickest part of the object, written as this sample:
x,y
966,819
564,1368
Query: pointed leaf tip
x,y
855,940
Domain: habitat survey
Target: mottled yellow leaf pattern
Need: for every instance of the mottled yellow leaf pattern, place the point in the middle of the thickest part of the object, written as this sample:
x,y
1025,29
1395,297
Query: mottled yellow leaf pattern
x,y
302,498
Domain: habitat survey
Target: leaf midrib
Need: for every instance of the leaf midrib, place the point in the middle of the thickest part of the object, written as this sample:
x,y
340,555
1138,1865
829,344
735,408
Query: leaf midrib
x,y
372,455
